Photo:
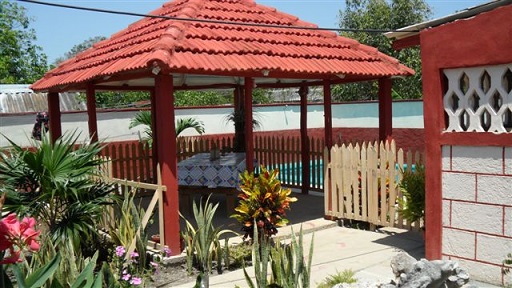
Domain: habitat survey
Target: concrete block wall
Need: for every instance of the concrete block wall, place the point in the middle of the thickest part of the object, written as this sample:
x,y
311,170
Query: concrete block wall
x,y
477,209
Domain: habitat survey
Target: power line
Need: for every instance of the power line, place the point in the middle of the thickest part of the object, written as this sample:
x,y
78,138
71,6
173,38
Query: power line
x,y
208,20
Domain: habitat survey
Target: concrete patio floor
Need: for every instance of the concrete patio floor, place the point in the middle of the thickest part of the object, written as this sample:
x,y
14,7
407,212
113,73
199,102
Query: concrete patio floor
x,y
336,248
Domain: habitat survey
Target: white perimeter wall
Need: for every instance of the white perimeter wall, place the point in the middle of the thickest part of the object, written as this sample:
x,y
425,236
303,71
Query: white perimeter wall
x,y
113,126
477,209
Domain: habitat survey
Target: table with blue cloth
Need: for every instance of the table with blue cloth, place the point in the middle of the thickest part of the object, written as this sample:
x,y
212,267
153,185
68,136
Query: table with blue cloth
x,y
198,174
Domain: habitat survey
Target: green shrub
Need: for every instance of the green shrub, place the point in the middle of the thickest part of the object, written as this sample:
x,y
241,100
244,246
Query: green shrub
x,y
345,276
412,205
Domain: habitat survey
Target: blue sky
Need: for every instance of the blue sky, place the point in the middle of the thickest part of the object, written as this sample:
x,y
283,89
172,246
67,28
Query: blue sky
x,y
59,29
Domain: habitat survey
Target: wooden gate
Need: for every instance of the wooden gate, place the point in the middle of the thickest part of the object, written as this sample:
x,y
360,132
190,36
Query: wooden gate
x,y
361,183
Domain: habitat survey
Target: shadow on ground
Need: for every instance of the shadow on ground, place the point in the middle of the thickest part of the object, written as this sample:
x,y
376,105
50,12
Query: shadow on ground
x,y
308,207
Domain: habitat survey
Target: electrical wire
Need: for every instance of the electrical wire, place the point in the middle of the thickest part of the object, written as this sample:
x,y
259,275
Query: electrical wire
x,y
210,21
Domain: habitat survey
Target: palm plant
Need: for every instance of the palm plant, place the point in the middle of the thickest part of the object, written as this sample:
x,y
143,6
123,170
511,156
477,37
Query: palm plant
x,y
53,183
144,118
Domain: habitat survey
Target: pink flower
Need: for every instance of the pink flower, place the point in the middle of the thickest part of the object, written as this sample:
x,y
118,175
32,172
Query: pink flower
x,y
16,234
167,252
13,257
134,254
136,281
126,276
120,251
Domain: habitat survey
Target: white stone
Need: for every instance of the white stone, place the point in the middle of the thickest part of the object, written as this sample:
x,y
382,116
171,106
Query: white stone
x,y
446,158
459,186
459,243
494,189
477,159
481,271
446,213
477,217
487,248
508,221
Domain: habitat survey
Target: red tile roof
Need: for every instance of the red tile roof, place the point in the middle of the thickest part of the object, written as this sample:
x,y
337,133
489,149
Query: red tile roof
x,y
223,49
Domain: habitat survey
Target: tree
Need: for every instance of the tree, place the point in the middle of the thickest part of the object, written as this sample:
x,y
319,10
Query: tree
x,y
79,48
21,61
386,15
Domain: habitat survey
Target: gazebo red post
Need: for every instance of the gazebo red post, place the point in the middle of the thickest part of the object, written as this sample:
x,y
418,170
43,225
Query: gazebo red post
x,y
55,123
304,141
154,149
327,114
249,141
166,147
91,113
385,109
328,134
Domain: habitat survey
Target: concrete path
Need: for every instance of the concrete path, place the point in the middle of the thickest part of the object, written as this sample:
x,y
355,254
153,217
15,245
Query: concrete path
x,y
339,248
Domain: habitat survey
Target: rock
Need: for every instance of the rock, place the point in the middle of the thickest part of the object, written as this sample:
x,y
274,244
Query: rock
x,y
410,273
402,263
431,274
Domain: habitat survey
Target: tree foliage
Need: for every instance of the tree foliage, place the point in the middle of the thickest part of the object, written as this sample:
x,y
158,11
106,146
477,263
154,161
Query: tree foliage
x,y
86,44
21,61
386,15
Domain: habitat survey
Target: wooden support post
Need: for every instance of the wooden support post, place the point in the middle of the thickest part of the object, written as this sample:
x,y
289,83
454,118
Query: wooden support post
x,y
385,109
54,115
327,114
166,146
91,113
249,144
304,141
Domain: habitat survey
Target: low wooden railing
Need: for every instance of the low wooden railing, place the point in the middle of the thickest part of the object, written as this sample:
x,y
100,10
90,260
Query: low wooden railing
x,y
157,198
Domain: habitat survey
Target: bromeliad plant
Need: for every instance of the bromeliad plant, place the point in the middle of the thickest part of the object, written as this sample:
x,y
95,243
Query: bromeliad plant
x,y
263,201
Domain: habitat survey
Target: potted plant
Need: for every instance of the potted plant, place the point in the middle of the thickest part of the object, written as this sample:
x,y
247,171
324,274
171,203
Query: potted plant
x,y
411,206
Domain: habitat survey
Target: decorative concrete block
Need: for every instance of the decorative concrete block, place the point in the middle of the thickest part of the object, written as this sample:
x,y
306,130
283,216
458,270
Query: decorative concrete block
x,y
492,249
477,159
477,217
459,186
482,272
459,243
446,155
446,213
494,189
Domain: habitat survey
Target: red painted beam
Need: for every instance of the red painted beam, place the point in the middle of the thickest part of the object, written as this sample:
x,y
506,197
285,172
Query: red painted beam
x,y
91,113
166,147
407,42
55,123
385,109
304,141
249,140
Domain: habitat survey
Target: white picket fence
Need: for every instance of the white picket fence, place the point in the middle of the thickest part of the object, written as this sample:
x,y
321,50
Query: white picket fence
x,y
361,183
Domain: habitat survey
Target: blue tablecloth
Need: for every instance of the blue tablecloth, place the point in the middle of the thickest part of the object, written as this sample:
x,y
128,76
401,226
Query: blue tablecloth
x,y
198,170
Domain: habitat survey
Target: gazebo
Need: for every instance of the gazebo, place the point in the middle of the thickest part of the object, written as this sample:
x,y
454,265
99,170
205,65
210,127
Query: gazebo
x,y
208,44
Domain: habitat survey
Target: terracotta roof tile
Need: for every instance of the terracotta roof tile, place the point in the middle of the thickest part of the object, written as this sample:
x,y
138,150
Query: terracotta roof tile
x,y
219,48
